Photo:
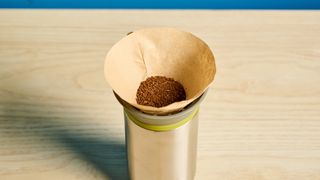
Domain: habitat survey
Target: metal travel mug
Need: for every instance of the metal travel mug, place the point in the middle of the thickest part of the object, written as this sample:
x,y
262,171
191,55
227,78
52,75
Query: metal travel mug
x,y
162,147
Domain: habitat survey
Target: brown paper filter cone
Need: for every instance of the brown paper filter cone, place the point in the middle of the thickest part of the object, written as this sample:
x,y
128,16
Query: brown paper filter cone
x,y
160,52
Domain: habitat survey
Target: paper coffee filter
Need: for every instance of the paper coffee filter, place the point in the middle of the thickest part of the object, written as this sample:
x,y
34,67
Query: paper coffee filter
x,y
159,52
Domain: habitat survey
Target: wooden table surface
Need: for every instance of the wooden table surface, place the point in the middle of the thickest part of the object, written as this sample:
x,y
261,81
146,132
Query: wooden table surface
x,y
59,119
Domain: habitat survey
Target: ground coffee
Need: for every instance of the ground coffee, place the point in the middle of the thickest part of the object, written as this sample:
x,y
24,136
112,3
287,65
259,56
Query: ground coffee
x,y
158,91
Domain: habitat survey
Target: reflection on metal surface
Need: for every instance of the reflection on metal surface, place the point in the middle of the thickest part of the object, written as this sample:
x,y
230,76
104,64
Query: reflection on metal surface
x,y
160,153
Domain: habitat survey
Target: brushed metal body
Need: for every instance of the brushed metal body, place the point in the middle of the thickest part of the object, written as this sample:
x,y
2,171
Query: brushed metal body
x,y
162,155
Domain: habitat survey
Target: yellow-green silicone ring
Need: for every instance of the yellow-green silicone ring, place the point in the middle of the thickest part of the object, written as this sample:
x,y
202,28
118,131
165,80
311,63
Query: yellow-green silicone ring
x,y
161,127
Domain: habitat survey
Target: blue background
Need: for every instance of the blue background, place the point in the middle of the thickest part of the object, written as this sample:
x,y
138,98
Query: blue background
x,y
164,4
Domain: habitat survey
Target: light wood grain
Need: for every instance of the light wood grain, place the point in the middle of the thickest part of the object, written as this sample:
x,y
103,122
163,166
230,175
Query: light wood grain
x,y
59,119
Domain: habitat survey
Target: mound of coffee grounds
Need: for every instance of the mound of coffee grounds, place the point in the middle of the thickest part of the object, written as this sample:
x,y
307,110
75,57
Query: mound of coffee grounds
x,y
159,91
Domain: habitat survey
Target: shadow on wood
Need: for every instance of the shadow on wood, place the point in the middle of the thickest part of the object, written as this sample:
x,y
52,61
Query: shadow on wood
x,y
35,122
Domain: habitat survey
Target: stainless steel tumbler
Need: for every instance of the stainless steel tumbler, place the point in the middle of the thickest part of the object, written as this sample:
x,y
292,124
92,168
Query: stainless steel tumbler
x,y
162,147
